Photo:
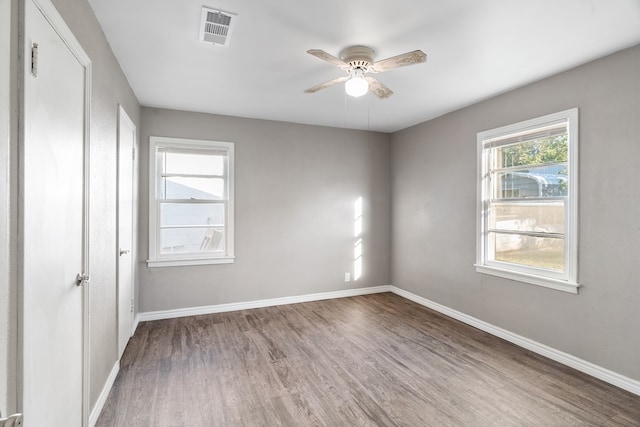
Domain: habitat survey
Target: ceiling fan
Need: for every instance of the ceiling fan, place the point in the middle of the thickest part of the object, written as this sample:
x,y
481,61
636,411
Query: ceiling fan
x,y
357,61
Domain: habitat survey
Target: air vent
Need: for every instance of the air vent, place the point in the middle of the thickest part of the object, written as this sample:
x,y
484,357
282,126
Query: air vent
x,y
216,26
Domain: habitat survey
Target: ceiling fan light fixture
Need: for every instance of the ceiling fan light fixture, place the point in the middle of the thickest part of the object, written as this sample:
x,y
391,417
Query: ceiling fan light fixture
x,y
357,85
357,61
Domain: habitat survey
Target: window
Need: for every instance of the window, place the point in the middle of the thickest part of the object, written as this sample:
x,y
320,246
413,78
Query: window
x,y
190,202
527,201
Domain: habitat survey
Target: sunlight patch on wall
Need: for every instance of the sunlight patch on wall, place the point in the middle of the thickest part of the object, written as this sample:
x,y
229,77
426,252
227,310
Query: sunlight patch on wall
x,y
357,247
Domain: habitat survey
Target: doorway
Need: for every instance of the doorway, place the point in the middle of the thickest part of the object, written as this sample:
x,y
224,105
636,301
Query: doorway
x,y
126,221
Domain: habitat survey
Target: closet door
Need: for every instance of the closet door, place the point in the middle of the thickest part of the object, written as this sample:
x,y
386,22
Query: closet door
x,y
53,221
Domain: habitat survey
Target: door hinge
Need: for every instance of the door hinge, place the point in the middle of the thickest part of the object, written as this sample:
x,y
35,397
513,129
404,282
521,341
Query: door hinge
x,y
133,153
34,59
132,306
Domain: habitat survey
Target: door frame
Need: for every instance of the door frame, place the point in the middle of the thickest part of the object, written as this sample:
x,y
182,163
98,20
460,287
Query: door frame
x,y
56,21
8,319
123,118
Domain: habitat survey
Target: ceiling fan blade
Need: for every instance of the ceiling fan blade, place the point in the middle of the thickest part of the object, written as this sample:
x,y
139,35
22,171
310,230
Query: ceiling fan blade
x,y
318,53
409,58
378,89
325,85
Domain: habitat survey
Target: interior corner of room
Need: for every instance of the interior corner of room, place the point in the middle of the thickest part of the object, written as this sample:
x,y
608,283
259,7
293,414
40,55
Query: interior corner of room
x,y
327,209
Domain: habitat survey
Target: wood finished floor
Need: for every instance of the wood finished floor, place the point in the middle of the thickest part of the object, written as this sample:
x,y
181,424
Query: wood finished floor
x,y
369,360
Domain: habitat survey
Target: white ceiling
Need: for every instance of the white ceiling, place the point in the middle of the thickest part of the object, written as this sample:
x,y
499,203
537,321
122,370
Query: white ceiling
x,y
475,49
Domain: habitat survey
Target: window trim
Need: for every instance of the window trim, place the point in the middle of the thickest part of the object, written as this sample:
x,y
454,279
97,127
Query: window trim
x,y
566,281
155,259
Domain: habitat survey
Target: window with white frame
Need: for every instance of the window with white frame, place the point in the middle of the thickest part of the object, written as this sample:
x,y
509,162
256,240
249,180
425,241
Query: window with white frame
x,y
528,201
190,202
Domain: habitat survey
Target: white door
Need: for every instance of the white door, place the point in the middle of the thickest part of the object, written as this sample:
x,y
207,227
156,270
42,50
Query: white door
x,y
53,221
126,144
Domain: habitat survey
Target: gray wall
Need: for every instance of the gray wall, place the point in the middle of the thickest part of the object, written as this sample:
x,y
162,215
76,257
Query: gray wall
x,y
109,88
434,215
295,189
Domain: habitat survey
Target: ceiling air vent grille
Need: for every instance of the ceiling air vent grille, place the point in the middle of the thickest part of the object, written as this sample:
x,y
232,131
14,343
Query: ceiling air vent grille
x,y
216,26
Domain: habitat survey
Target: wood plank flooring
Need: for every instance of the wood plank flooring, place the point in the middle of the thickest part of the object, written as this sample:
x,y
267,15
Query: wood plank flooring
x,y
375,360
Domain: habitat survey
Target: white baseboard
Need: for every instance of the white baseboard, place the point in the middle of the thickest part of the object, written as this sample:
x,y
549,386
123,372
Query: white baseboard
x,y
136,322
581,365
97,409
221,308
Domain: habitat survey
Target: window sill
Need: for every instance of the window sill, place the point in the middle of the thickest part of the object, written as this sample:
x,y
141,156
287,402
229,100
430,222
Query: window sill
x,y
189,261
560,285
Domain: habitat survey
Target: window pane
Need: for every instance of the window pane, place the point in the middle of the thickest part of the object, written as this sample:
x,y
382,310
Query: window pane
x,y
194,214
193,188
543,252
545,217
535,152
193,163
192,240
546,181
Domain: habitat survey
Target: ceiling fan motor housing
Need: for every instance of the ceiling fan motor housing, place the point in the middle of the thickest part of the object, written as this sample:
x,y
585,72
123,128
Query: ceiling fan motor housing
x,y
358,56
